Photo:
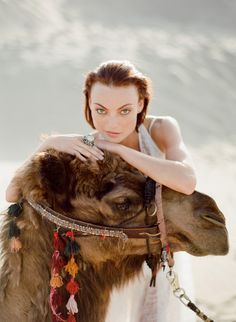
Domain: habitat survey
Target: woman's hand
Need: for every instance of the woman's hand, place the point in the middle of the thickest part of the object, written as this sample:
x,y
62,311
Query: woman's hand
x,y
72,144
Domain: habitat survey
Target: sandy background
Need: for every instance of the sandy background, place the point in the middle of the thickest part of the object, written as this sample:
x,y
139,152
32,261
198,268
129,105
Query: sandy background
x,y
187,47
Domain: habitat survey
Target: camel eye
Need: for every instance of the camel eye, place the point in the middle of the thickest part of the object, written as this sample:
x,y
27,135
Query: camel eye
x,y
123,205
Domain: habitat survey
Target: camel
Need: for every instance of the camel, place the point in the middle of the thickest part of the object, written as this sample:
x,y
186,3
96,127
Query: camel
x,y
106,192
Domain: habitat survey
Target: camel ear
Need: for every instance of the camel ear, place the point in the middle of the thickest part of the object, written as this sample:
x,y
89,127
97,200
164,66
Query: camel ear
x,y
52,173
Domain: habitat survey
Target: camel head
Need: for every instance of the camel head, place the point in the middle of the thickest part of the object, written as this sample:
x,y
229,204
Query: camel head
x,y
111,193
194,223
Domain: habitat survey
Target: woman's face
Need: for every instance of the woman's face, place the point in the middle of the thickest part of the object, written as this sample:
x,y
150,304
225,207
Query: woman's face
x,y
114,110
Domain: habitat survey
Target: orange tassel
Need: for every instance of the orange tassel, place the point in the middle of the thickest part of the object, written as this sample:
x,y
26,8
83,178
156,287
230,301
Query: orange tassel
x,y
15,244
56,281
71,267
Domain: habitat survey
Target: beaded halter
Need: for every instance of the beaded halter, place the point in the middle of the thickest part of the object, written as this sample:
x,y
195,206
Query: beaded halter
x,y
66,259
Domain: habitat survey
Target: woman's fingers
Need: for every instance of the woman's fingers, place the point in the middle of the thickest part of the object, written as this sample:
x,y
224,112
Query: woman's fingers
x,y
75,146
92,150
88,152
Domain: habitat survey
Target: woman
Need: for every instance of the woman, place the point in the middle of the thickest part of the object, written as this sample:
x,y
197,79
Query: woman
x,y
116,101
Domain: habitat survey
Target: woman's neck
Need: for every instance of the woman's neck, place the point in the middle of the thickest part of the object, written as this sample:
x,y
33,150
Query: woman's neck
x,y
132,141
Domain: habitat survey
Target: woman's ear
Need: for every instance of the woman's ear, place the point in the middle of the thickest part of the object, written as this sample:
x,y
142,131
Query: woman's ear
x,y
140,105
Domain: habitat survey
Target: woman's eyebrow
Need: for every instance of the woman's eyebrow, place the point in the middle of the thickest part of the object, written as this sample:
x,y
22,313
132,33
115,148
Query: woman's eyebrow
x,y
117,108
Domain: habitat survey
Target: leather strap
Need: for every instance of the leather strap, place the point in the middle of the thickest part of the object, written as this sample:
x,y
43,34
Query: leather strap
x,y
85,228
166,255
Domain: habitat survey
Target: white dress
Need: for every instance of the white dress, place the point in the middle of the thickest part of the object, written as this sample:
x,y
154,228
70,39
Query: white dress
x,y
137,302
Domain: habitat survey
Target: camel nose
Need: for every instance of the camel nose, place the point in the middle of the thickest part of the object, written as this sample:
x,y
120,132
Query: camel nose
x,y
208,209
216,218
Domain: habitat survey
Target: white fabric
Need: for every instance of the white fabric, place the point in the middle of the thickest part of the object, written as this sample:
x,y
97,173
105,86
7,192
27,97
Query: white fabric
x,y
137,302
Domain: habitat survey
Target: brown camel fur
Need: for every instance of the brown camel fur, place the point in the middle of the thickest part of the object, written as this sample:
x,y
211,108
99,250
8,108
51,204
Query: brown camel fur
x,y
105,192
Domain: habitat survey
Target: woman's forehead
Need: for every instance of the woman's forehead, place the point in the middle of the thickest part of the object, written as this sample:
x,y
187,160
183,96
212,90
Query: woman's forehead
x,y
101,92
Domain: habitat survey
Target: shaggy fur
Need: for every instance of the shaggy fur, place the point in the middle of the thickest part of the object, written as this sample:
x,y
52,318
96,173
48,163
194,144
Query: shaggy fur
x,y
107,192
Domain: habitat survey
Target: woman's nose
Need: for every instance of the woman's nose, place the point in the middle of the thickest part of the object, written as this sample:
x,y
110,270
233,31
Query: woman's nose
x,y
112,122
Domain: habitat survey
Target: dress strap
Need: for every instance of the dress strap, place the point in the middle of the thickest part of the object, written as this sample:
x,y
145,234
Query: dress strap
x,y
151,124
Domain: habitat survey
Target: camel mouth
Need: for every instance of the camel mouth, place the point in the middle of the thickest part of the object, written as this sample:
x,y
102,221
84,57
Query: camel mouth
x,y
214,219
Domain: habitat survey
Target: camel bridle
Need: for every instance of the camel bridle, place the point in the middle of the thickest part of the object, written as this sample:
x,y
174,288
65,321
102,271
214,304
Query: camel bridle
x,y
80,228
153,190
157,230
83,228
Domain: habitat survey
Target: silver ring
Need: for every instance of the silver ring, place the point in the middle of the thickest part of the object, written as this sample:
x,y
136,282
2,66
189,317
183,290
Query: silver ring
x,y
88,140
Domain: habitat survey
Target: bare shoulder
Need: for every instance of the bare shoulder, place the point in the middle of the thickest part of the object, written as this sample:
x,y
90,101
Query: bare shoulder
x,y
164,130
153,121
167,135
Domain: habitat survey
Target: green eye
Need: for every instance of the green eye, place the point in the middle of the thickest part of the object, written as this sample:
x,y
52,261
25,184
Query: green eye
x,y
100,111
125,111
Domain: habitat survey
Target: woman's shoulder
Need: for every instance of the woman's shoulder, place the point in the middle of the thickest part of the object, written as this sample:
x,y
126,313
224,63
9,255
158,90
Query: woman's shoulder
x,y
159,121
162,129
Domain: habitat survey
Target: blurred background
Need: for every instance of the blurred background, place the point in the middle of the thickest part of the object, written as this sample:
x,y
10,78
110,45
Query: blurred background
x,y
187,48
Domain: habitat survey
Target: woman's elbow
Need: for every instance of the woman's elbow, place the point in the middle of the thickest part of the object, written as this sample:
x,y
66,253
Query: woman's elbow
x,y
190,185
12,193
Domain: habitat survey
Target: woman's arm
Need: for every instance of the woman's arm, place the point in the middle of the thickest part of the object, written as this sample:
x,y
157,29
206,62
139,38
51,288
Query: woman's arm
x,y
176,171
70,143
177,175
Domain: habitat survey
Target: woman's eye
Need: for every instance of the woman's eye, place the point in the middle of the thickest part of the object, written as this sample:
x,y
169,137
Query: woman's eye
x,y
100,111
125,111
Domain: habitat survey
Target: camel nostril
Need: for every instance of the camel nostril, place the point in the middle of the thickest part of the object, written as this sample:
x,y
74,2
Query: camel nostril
x,y
217,219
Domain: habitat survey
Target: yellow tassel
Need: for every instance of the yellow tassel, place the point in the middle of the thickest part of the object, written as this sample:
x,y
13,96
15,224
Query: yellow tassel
x,y
71,267
56,281
15,244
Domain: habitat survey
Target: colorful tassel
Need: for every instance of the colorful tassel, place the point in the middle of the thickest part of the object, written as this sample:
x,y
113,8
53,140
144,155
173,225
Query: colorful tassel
x,y
57,262
14,234
72,305
15,245
71,267
58,243
71,318
14,211
55,302
56,280
72,286
72,247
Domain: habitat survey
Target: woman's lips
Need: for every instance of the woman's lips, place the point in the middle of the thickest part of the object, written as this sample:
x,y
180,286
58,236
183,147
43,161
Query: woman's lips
x,y
112,134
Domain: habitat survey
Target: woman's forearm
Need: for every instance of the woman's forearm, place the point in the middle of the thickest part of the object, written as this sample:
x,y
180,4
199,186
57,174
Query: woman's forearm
x,y
173,174
70,143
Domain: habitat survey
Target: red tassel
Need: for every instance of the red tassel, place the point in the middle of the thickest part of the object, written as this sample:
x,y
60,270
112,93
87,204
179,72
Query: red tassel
x,y
70,234
58,243
71,318
56,240
72,286
56,300
57,262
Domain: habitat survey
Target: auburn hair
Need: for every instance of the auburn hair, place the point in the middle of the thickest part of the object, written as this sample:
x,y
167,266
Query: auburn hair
x,y
118,73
